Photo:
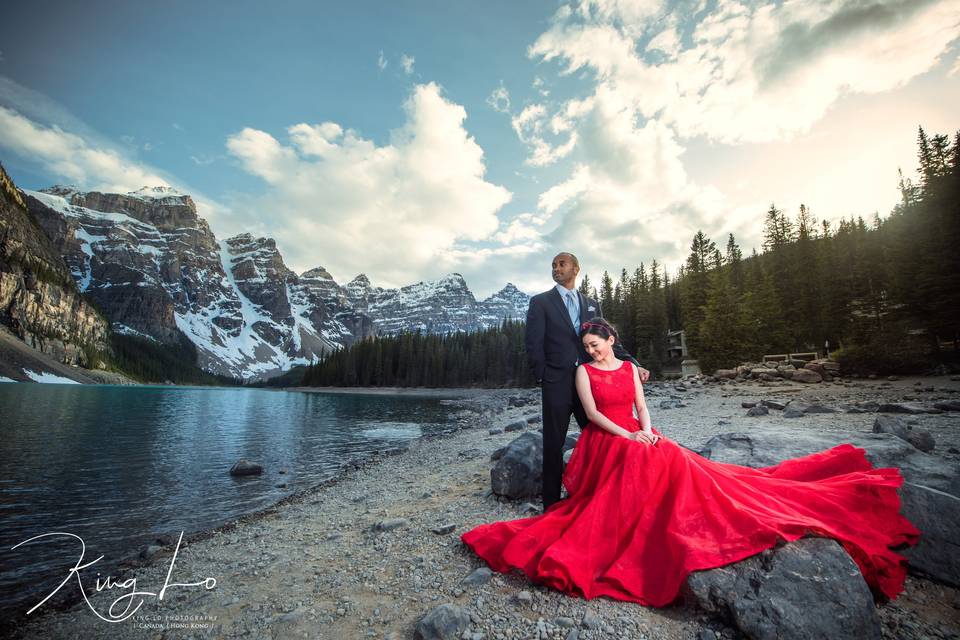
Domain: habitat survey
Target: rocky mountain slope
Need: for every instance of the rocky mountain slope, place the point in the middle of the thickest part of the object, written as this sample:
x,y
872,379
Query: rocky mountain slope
x,y
39,301
156,270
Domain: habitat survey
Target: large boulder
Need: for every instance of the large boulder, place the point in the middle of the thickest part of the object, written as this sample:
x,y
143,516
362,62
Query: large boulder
x,y
806,375
930,494
919,438
805,589
519,470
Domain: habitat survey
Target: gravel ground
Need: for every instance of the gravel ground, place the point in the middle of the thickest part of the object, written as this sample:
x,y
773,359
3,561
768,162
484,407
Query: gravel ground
x,y
318,565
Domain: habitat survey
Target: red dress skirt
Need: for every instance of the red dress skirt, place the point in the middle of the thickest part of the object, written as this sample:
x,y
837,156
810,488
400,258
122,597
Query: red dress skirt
x,y
639,518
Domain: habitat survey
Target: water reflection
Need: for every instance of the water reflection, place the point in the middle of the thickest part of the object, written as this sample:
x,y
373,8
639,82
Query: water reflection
x,y
120,465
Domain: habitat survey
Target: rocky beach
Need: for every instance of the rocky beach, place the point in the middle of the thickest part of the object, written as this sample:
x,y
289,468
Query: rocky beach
x,y
377,554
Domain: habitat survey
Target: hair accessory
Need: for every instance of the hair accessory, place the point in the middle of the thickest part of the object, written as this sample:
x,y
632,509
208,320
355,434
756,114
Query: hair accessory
x,y
587,325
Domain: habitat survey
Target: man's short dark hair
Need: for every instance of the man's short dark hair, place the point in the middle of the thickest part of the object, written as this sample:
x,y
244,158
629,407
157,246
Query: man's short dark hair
x,y
576,262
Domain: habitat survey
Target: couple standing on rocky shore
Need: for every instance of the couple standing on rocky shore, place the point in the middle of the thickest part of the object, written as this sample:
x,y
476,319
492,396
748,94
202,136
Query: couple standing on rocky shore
x,y
642,512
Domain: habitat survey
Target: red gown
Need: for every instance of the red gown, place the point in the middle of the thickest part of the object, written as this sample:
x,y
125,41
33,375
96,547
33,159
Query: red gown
x,y
639,518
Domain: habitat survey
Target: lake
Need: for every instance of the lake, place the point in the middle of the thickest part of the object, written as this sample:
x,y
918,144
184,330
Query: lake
x,y
118,465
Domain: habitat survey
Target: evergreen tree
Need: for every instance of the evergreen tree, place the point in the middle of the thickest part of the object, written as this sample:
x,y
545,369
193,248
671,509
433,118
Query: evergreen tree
x,y
723,332
734,260
606,293
695,288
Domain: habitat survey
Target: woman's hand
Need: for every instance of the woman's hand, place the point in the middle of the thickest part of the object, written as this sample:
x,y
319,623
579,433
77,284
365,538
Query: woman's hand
x,y
647,437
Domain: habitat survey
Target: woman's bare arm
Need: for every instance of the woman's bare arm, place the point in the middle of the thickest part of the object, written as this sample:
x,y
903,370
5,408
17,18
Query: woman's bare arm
x,y
643,414
590,407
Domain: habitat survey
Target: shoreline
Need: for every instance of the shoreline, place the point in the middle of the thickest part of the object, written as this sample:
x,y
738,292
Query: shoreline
x,y
131,562
447,393
330,573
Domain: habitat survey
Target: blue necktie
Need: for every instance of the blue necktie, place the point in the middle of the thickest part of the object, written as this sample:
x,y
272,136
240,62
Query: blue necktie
x,y
572,310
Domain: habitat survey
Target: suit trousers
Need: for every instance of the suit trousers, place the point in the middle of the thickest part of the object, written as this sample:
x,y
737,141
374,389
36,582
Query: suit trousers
x,y
560,401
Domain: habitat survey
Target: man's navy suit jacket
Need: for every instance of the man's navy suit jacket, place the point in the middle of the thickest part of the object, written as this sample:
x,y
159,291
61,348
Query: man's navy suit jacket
x,y
553,344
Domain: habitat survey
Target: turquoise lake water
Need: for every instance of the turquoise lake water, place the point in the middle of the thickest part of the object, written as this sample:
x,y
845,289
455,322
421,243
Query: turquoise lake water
x,y
119,465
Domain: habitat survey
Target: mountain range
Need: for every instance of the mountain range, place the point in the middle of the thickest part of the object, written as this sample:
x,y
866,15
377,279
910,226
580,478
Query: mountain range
x,y
154,269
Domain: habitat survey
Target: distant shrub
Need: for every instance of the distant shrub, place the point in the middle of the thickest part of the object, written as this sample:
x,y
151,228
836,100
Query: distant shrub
x,y
887,353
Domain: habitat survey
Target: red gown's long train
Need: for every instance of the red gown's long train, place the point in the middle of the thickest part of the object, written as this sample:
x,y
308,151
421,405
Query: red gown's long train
x,y
640,518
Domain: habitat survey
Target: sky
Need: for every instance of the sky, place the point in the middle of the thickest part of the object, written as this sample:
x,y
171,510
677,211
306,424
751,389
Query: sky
x,y
410,139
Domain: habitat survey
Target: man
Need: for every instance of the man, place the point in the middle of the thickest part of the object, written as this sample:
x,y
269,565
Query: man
x,y
554,350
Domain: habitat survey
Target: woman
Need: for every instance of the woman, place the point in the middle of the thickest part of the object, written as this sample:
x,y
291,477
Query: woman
x,y
643,512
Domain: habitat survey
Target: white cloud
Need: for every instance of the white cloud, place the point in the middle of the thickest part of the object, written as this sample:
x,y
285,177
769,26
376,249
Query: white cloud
x,y
525,230
753,73
72,157
340,200
541,86
530,125
630,198
658,82
381,61
499,99
406,62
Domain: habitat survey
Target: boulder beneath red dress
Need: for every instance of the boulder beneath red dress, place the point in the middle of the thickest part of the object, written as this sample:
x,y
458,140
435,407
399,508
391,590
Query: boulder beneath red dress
x,y
930,495
809,588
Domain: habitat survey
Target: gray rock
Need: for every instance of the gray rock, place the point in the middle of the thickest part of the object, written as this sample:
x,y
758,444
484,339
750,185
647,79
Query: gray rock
x,y
479,576
495,431
149,551
818,408
806,375
528,507
245,468
775,404
518,472
498,453
919,438
446,622
806,589
518,425
590,620
525,597
748,405
534,419
793,412
444,529
907,407
947,405
390,524
758,410
930,495
571,440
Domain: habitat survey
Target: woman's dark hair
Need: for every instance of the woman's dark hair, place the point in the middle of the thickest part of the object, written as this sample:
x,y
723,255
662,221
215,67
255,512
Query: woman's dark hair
x,y
598,327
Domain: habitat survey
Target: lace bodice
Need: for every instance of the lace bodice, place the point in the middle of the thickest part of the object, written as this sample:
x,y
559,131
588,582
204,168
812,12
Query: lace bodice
x,y
614,393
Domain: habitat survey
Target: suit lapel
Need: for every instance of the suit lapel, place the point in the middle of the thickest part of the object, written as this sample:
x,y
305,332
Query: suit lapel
x,y
585,313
